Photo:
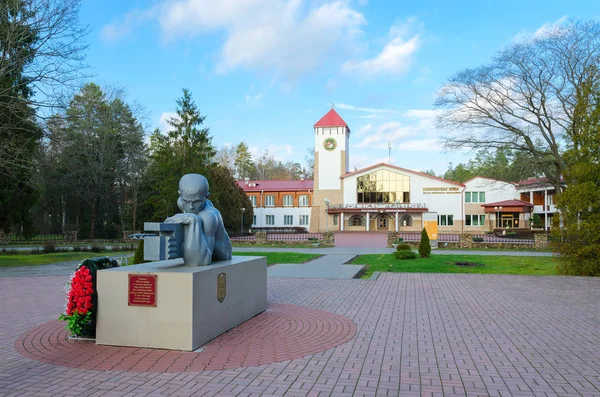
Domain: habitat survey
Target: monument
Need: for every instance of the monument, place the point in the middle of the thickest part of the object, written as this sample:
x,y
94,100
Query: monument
x,y
191,292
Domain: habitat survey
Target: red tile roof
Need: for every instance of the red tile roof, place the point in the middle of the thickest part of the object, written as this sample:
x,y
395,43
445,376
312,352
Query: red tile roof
x,y
276,185
509,203
401,169
535,181
331,119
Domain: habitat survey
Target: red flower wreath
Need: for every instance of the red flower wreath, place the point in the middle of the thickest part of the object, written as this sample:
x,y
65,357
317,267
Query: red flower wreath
x,y
79,298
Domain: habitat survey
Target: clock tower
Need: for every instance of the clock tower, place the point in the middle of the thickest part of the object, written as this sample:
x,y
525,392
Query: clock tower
x,y
331,162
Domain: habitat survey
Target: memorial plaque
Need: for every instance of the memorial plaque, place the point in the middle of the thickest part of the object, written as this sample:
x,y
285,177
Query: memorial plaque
x,y
221,287
142,290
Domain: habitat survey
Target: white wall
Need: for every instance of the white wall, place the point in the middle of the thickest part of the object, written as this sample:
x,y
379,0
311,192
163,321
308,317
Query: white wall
x,y
494,190
330,163
444,204
279,212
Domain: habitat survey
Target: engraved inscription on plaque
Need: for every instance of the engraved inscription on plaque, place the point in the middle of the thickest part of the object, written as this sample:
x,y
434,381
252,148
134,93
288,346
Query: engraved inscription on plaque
x,y
221,287
142,290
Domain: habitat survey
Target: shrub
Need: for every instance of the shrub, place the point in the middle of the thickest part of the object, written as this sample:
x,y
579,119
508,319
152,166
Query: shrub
x,y
404,254
399,240
403,247
477,239
424,245
511,234
49,247
138,257
97,248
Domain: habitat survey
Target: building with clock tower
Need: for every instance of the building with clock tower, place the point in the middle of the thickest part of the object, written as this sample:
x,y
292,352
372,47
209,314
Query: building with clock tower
x,y
332,136
385,197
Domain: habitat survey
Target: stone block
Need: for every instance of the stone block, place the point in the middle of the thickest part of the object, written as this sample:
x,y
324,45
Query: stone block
x,y
188,311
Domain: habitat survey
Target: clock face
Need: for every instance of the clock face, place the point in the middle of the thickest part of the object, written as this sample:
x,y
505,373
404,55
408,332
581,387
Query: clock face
x,y
329,144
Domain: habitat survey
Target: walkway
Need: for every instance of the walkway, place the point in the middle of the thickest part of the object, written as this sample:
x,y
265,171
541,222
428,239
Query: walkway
x,y
415,335
327,266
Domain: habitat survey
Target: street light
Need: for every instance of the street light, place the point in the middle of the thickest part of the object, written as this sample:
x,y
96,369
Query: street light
x,y
327,212
242,221
498,210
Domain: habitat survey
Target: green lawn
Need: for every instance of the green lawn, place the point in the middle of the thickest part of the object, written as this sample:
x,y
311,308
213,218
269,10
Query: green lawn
x,y
539,266
45,259
281,257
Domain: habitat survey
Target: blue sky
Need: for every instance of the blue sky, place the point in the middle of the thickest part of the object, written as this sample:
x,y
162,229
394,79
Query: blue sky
x,y
264,71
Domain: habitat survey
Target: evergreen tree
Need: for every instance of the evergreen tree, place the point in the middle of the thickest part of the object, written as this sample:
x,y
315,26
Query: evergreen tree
x,y
577,239
194,142
424,245
243,161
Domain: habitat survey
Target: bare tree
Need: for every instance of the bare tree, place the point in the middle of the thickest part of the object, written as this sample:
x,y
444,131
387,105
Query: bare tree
x,y
41,42
525,98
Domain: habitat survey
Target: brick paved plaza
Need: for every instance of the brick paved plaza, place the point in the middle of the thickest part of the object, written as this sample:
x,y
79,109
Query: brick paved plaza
x,y
415,334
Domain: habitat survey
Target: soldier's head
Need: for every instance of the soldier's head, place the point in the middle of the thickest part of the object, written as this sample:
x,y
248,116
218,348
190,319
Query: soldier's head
x,y
193,192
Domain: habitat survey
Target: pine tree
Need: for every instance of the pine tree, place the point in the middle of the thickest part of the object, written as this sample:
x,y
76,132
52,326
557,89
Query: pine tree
x,y
424,245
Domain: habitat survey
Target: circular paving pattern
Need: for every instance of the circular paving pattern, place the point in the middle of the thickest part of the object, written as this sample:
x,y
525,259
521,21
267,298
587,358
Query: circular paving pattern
x,y
283,332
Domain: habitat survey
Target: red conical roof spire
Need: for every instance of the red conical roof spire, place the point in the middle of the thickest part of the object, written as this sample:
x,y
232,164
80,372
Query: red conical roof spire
x,y
331,119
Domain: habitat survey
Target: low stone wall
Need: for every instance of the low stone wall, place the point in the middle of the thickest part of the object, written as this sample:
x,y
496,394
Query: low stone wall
x,y
261,239
466,241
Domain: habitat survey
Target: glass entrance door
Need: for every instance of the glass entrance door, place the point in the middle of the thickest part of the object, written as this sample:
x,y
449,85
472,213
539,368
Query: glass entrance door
x,y
507,221
382,223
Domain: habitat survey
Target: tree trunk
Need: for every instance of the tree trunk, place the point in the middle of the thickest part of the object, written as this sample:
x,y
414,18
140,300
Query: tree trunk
x,y
134,210
93,222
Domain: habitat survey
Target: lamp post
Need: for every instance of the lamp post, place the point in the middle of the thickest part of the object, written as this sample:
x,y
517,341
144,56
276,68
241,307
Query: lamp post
x,y
498,210
327,212
242,221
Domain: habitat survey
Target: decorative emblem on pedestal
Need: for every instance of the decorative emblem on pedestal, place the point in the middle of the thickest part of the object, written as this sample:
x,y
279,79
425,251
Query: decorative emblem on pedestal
x,y
329,144
221,287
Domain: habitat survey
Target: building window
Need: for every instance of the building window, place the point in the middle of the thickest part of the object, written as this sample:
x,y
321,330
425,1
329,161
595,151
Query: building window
x,y
303,220
288,200
475,220
446,220
288,220
253,200
335,219
269,201
474,197
356,220
303,200
270,220
383,186
406,220
254,219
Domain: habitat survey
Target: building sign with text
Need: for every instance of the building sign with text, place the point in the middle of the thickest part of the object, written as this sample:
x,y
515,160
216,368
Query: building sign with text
x,y
441,190
142,290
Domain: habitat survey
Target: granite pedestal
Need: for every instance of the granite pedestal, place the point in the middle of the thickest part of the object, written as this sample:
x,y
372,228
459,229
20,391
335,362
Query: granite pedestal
x,y
188,310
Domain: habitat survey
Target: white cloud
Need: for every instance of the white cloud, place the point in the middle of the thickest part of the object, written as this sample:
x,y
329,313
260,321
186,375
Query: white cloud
x,y
281,153
414,129
163,121
364,109
546,30
286,37
364,129
117,30
395,58
420,145
254,99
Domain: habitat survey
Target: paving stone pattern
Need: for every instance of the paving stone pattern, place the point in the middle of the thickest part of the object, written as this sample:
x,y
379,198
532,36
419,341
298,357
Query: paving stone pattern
x,y
417,334
327,266
284,332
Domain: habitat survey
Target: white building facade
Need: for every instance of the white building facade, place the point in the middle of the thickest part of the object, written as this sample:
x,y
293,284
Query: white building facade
x,y
382,197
